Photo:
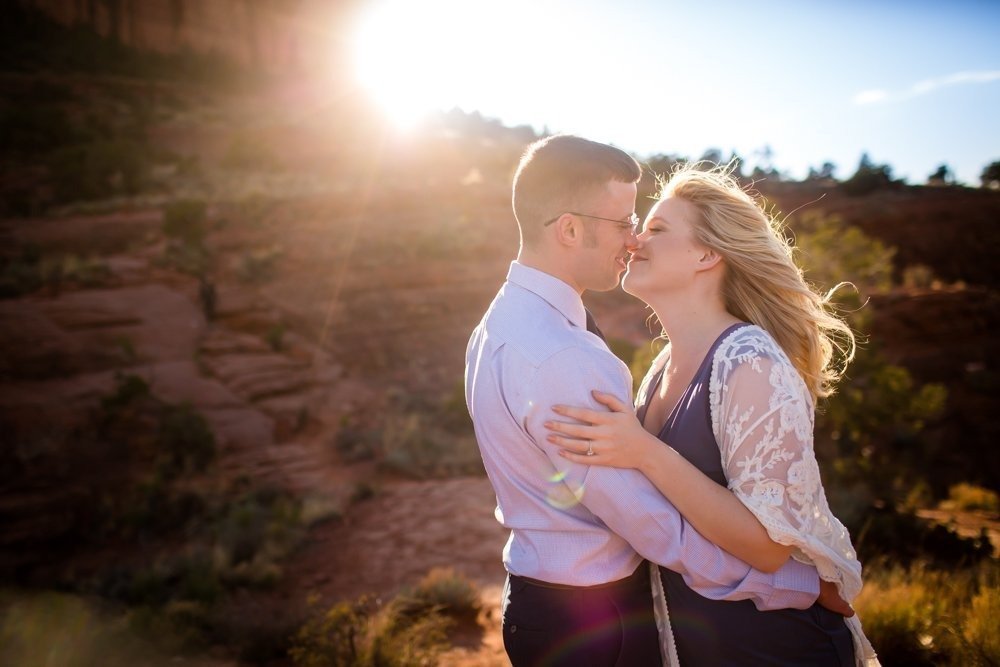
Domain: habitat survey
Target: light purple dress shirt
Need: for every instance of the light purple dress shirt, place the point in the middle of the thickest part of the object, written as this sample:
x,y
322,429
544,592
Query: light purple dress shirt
x,y
575,524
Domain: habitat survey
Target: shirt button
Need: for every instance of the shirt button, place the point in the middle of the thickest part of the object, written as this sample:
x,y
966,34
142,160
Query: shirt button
x,y
513,629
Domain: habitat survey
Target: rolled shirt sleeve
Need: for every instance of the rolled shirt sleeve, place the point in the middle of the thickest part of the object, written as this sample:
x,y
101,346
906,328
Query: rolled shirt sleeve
x,y
630,506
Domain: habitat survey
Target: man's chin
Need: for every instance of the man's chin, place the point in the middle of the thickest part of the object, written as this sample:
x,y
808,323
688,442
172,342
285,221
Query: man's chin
x,y
609,283
616,281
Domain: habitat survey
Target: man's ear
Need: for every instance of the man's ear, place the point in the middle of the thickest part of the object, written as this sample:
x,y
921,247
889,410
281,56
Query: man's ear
x,y
568,230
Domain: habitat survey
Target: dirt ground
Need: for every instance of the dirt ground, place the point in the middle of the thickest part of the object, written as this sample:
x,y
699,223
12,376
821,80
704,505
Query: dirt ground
x,y
389,542
60,352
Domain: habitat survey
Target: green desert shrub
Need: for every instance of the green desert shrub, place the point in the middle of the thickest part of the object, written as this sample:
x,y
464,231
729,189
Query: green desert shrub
x,y
965,496
40,629
129,388
18,276
362,634
98,169
353,443
147,444
442,590
317,509
258,639
258,266
363,491
875,437
918,276
31,129
238,543
275,337
427,436
74,270
185,220
909,538
873,432
831,252
30,271
412,444
193,260
253,534
186,443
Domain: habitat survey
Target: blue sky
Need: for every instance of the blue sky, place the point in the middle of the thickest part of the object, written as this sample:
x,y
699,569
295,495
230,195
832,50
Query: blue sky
x,y
915,84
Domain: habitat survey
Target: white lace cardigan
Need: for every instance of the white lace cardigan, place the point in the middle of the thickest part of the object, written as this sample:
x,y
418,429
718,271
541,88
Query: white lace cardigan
x,y
762,419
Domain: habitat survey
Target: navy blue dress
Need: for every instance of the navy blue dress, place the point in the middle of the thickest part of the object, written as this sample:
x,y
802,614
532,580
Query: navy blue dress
x,y
717,633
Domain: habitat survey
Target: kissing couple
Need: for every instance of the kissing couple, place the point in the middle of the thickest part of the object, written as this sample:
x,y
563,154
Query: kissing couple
x,y
689,527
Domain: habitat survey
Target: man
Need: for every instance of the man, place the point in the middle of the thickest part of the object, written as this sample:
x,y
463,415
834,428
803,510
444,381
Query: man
x,y
578,589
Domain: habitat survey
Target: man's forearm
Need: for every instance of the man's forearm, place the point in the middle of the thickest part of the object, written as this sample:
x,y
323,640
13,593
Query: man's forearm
x,y
631,507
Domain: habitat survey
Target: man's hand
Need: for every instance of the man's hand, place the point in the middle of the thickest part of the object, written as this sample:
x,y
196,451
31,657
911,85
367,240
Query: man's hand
x,y
830,599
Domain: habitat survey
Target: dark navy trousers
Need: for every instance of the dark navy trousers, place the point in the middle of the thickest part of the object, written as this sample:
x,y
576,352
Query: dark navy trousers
x,y
612,625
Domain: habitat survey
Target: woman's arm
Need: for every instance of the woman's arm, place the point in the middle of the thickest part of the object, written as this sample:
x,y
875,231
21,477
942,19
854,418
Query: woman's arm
x,y
618,440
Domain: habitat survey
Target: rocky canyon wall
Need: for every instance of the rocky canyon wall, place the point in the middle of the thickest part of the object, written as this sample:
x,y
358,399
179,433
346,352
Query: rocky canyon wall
x,y
277,35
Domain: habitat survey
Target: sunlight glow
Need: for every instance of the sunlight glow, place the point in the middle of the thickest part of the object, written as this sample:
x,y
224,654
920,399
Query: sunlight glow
x,y
656,76
417,57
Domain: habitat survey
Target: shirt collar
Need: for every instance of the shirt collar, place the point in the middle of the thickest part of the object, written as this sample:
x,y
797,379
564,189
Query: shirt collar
x,y
557,293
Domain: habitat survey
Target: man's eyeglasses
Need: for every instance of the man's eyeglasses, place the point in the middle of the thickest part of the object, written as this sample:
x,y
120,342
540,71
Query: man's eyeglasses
x,y
630,225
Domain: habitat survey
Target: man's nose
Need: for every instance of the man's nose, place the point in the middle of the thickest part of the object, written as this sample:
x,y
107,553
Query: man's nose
x,y
632,242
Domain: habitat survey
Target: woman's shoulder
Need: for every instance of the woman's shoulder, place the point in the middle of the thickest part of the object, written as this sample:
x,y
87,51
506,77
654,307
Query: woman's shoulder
x,y
748,344
751,358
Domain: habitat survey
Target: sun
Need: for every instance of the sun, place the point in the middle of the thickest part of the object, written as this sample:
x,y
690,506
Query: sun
x,y
384,47
416,57
548,62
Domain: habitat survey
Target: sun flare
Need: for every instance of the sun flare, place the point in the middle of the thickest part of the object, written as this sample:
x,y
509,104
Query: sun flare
x,y
387,63
413,58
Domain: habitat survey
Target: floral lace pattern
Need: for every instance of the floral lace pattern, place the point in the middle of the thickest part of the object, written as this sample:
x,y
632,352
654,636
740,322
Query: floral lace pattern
x,y
762,418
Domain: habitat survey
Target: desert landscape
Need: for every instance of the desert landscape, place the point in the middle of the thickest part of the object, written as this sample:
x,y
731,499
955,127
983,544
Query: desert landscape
x,y
233,315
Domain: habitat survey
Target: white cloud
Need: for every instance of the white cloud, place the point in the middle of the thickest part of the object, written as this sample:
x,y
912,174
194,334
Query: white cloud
x,y
871,97
930,85
927,86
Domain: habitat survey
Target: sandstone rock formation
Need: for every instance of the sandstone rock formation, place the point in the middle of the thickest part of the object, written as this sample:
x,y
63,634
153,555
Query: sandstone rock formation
x,y
277,35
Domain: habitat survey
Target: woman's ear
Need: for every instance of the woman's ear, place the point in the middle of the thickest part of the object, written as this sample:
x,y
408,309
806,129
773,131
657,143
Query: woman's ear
x,y
709,259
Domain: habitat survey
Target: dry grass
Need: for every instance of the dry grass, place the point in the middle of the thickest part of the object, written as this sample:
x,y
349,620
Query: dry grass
x,y
57,630
921,616
969,497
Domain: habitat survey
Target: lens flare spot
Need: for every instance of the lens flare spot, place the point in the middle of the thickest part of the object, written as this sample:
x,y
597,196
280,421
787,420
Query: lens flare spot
x,y
558,477
562,497
594,632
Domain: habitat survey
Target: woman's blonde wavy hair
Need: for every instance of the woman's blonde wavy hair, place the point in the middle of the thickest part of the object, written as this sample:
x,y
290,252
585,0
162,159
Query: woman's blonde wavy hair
x,y
762,283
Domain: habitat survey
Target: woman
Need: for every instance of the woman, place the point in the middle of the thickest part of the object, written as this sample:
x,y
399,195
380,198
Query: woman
x,y
733,395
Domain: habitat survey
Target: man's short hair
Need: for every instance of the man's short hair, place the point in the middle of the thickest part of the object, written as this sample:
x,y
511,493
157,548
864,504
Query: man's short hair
x,y
558,173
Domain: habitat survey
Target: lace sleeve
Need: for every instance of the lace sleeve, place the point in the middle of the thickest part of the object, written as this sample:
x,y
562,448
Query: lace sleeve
x,y
762,417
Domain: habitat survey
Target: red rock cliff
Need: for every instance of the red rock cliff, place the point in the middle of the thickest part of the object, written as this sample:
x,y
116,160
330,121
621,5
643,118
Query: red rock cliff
x,y
278,35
